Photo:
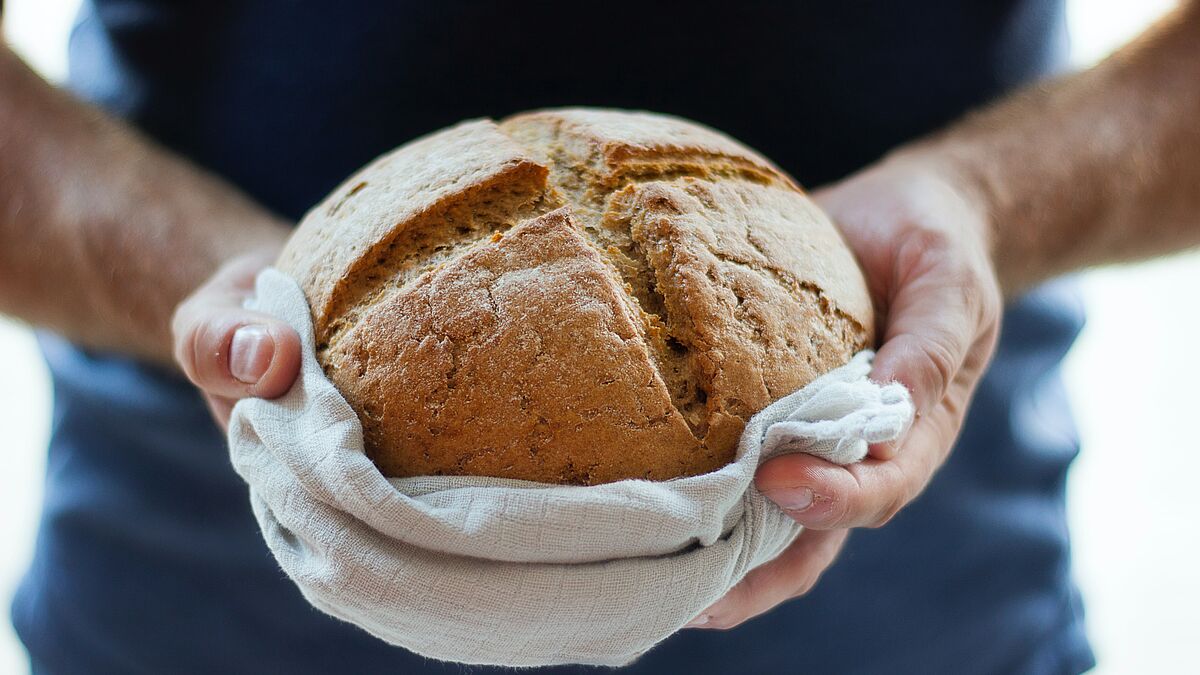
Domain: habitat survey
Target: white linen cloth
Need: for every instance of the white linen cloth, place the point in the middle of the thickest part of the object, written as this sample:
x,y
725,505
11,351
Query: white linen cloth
x,y
505,572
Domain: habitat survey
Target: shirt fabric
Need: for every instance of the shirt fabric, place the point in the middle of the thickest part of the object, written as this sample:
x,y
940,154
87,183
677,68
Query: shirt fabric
x,y
148,558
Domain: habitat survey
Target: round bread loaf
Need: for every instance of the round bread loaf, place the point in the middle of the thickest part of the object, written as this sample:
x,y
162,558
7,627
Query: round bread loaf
x,y
572,296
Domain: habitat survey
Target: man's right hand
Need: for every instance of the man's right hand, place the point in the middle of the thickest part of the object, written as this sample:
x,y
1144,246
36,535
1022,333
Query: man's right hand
x,y
230,352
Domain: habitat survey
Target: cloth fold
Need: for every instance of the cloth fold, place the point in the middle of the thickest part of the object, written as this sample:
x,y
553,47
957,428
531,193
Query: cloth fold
x,y
504,572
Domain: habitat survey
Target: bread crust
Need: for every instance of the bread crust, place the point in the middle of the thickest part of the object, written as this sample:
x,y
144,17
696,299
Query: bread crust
x,y
572,296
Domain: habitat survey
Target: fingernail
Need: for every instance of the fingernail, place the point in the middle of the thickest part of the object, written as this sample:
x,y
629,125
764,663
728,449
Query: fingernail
x,y
698,621
250,353
796,499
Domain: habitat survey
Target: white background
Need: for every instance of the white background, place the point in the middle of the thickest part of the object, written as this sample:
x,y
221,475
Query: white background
x,y
1132,378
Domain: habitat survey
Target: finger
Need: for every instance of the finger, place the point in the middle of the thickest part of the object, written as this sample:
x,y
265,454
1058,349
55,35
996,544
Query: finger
x,y
886,449
938,311
792,574
822,495
233,353
221,409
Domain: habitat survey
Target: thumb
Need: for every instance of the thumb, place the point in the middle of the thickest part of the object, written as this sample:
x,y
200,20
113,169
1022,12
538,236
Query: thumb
x,y
234,353
230,352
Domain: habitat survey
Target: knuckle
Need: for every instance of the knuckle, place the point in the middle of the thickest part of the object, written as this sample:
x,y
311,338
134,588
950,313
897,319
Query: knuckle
x,y
899,488
968,281
921,249
939,363
922,238
992,305
806,583
971,274
748,588
981,292
890,508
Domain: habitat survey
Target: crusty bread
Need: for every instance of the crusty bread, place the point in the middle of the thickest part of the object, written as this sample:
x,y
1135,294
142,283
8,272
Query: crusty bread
x,y
572,296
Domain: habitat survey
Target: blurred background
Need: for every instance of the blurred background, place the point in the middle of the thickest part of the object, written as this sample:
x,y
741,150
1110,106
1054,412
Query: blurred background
x,y
1131,375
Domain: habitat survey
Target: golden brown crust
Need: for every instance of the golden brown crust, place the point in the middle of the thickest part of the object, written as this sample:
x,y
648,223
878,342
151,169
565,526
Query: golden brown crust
x,y
521,359
342,245
573,296
756,329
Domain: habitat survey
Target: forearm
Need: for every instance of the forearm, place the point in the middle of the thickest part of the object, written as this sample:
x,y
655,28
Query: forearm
x,y
1097,167
102,233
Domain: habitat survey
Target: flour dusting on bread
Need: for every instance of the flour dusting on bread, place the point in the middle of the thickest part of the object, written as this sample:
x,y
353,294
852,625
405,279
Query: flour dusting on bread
x,y
572,296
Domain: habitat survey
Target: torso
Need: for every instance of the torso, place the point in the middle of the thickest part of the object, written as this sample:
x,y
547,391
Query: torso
x,y
148,557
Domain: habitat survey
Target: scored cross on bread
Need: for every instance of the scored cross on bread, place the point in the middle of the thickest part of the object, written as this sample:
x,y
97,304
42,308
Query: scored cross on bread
x,y
572,296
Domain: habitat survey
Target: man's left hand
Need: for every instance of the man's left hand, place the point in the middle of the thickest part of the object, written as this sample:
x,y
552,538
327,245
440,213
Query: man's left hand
x,y
923,240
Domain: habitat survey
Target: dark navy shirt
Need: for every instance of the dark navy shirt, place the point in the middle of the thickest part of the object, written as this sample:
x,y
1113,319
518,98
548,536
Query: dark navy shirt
x,y
148,559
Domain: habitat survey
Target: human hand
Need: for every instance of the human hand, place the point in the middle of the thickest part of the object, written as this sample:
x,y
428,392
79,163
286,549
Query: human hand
x,y
922,237
230,352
